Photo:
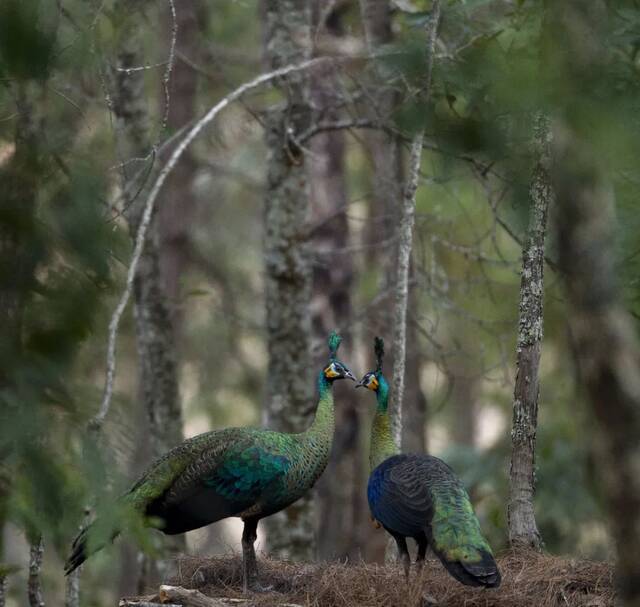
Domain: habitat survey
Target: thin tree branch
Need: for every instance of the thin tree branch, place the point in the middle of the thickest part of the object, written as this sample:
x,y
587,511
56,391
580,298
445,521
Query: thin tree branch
x,y
98,420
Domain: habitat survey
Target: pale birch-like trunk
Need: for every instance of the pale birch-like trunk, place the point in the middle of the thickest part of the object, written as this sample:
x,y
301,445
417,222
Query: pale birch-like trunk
x,y
34,584
405,242
158,375
523,530
290,375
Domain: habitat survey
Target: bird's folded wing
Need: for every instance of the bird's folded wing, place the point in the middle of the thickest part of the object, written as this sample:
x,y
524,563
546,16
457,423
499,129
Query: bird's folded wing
x,y
398,496
240,472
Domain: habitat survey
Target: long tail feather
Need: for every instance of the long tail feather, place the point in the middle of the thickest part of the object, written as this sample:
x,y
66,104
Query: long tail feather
x,y
80,551
483,573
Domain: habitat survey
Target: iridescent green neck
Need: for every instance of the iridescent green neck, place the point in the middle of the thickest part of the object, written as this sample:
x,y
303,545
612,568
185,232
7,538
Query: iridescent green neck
x,y
324,422
382,445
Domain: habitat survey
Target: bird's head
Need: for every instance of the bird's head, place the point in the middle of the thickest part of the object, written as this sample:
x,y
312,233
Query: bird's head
x,y
374,379
336,369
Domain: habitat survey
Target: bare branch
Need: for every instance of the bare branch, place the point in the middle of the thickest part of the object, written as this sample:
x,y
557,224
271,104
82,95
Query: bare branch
x,y
196,129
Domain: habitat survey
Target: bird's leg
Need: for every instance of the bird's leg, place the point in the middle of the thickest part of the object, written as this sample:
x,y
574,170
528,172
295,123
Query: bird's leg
x,y
249,563
422,552
403,552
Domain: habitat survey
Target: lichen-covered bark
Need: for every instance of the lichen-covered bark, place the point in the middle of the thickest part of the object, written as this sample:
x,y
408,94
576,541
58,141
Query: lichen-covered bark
x,y
340,497
156,353
523,530
158,375
34,584
405,243
289,398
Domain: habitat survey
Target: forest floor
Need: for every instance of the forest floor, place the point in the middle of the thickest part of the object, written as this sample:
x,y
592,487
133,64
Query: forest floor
x,y
528,580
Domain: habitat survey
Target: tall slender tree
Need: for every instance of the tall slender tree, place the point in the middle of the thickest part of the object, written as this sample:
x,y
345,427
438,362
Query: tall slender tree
x,y
387,181
158,375
604,338
340,497
177,201
523,530
289,397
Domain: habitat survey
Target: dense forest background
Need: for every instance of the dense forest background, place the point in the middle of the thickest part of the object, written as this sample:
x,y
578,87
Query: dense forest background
x,y
94,97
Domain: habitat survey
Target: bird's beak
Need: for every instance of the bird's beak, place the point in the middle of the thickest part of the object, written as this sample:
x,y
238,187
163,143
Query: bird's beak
x,y
350,376
361,384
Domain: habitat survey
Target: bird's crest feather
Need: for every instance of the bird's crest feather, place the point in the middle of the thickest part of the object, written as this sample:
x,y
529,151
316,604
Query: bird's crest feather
x,y
334,344
378,346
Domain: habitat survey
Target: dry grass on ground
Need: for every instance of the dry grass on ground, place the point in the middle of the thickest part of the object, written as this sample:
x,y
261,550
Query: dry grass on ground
x,y
528,580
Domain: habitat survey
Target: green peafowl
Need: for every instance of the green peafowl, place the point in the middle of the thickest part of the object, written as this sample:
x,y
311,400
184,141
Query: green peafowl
x,y
419,496
245,472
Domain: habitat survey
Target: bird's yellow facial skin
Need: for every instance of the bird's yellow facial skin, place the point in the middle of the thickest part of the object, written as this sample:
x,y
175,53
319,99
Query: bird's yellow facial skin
x,y
373,383
330,372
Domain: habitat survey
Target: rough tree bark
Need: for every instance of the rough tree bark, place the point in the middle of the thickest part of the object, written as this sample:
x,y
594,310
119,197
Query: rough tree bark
x,y
289,398
386,160
604,337
340,498
405,242
158,375
177,201
34,585
523,530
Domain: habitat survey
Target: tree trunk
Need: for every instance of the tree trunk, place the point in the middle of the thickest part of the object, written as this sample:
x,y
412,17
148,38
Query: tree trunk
x,y
604,337
605,343
523,530
36,552
19,183
414,439
177,201
463,397
340,499
290,389
386,165
158,377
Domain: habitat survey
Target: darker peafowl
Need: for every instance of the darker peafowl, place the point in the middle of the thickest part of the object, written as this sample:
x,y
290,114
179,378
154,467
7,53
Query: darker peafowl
x,y
419,496
244,472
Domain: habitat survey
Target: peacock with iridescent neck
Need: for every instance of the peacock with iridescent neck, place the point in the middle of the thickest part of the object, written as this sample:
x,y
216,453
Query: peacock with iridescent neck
x,y
244,472
419,496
